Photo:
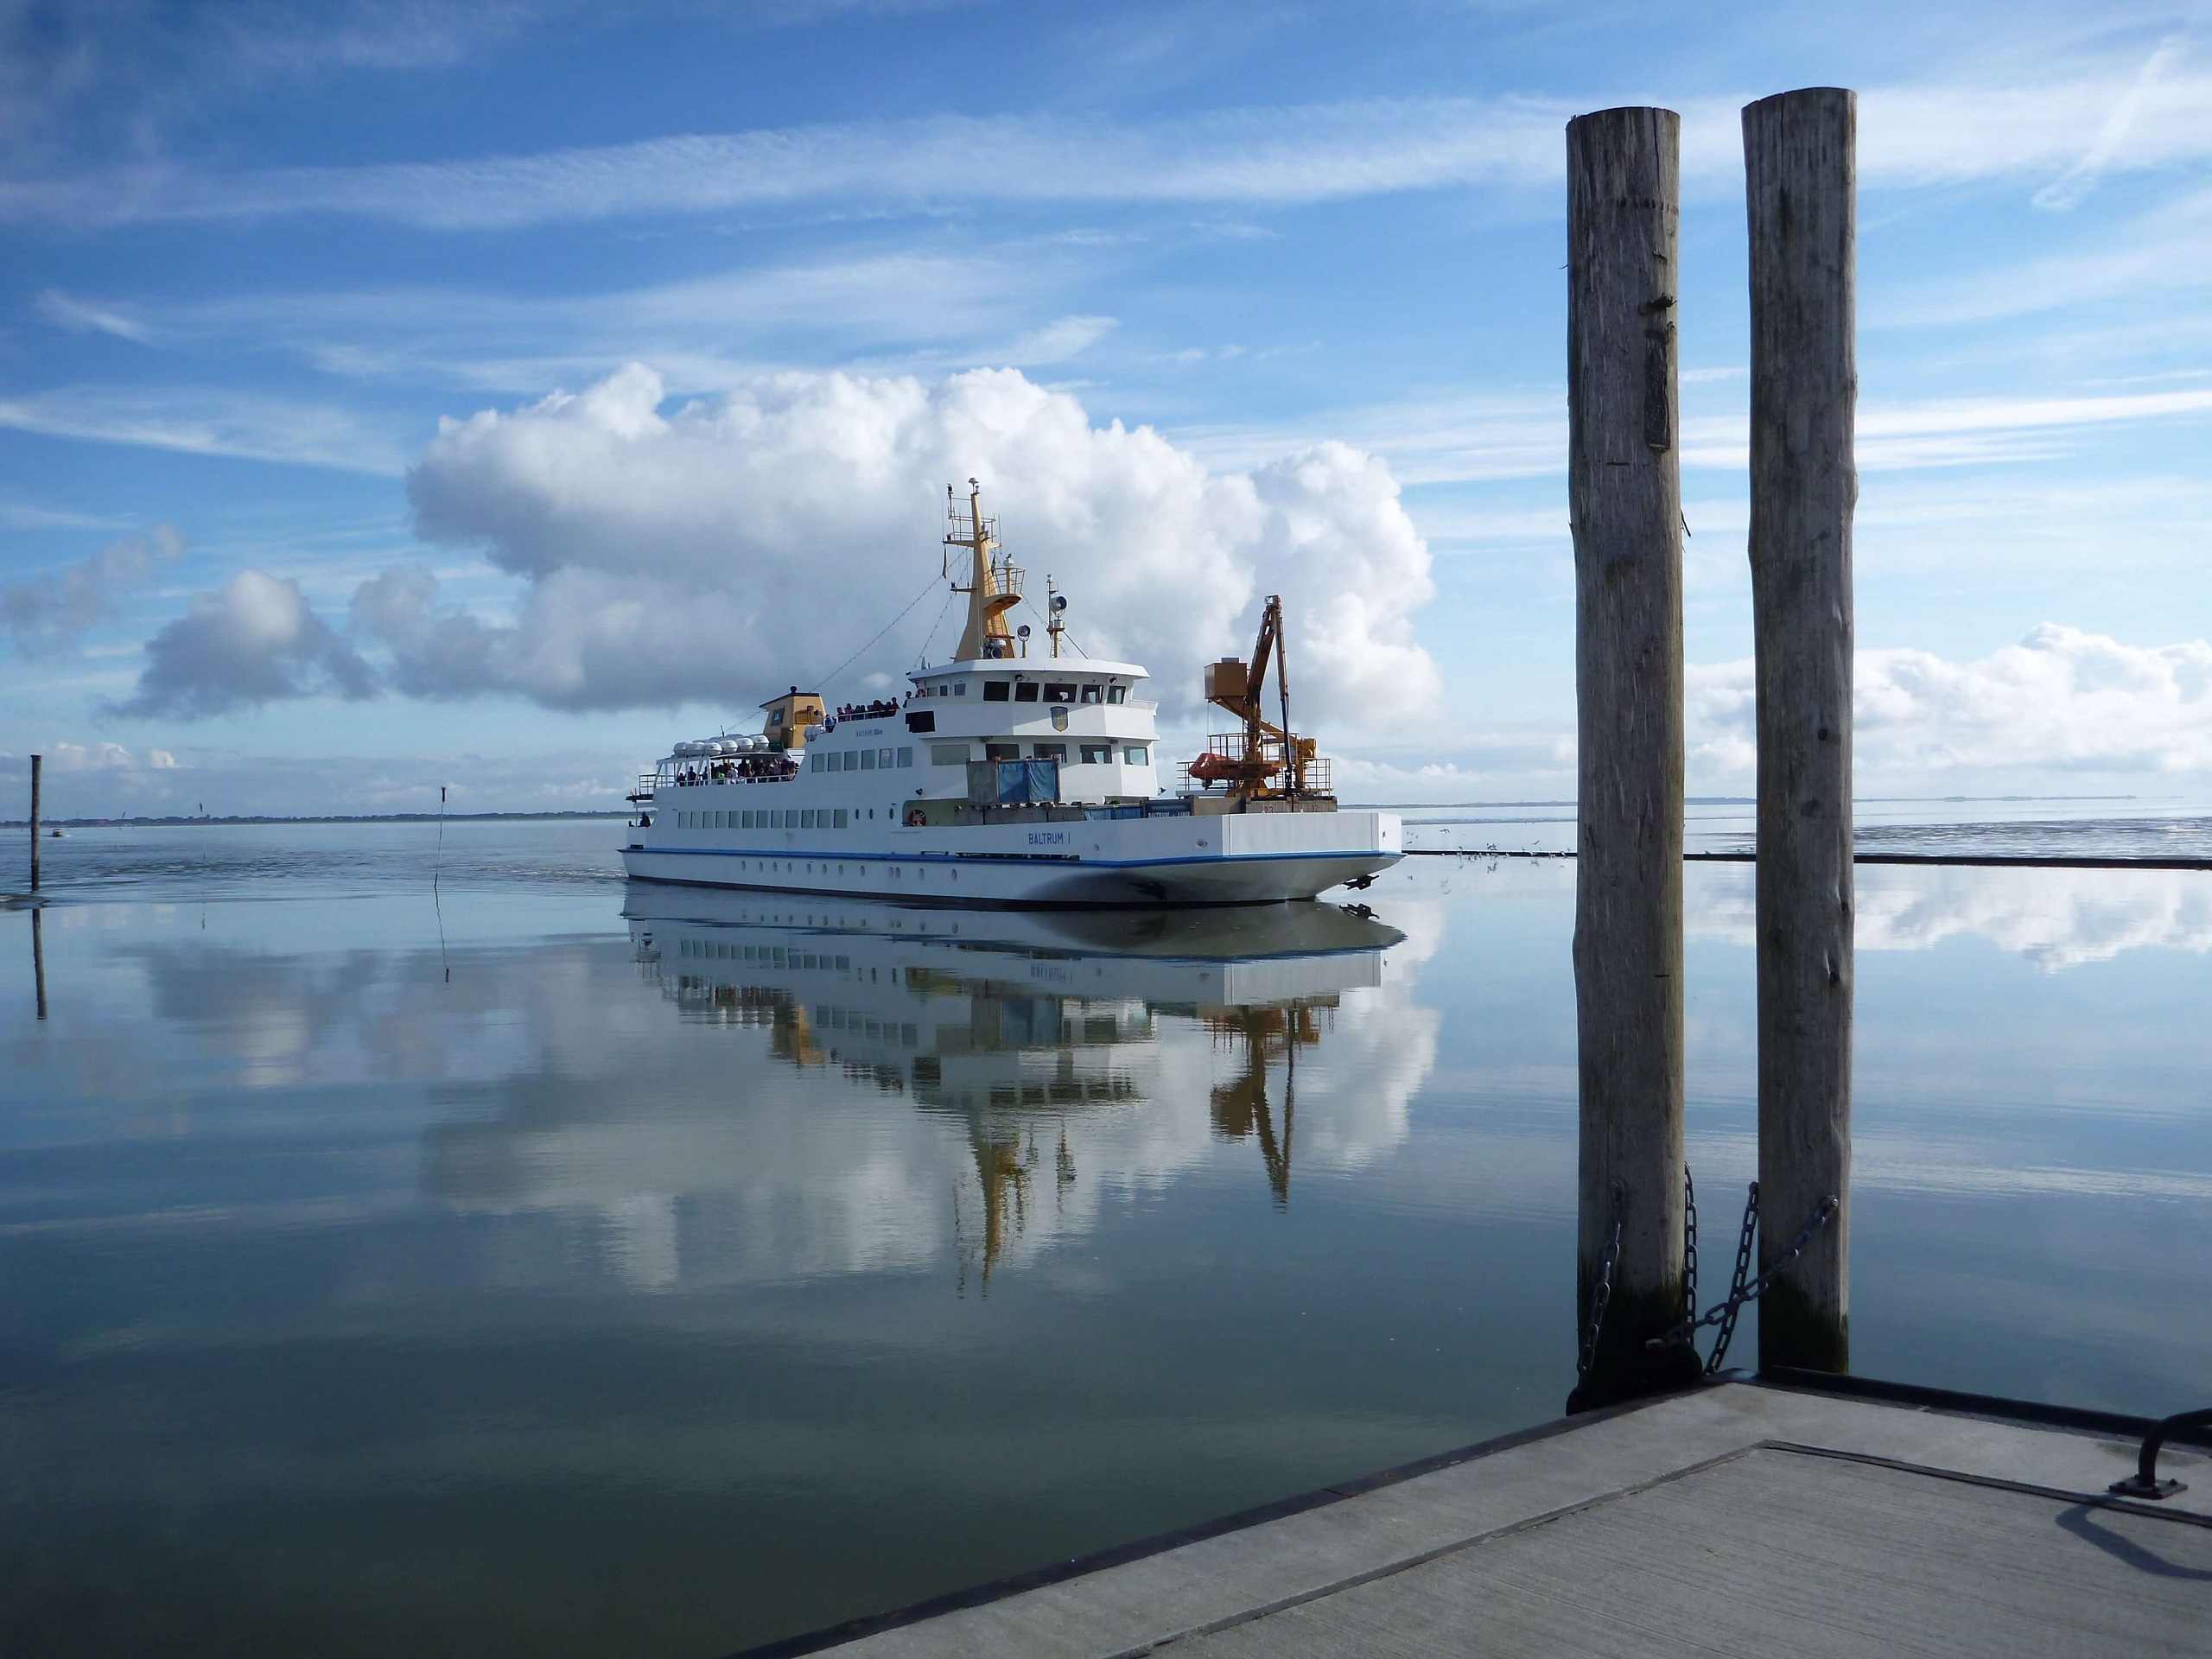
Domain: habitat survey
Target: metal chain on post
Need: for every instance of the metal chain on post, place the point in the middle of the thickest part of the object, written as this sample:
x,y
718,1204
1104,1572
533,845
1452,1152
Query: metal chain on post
x,y
1603,1293
1736,1281
1724,1313
1689,1243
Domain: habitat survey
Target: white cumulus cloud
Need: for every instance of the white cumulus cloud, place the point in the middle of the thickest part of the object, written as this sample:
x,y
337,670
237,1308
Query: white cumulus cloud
x,y
2062,698
253,640
49,613
751,540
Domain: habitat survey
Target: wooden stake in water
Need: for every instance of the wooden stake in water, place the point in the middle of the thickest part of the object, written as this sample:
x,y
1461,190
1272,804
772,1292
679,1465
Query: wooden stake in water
x,y
1622,174
437,871
1800,175
38,766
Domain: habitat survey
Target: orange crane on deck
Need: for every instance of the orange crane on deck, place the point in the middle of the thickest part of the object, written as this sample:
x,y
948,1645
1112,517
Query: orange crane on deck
x,y
1266,760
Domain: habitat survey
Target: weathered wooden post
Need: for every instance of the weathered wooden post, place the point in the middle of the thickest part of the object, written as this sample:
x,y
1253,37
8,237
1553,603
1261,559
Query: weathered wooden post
x,y
38,764
1622,189
1800,162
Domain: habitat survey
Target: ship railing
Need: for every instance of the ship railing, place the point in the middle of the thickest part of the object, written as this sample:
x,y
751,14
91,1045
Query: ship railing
x,y
1269,762
693,777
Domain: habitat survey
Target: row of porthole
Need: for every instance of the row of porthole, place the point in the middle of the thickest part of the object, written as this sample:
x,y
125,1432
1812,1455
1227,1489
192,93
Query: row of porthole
x,y
796,818
768,866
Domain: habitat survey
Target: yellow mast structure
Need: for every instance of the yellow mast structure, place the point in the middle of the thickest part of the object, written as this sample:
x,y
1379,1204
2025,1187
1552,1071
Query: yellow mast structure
x,y
993,585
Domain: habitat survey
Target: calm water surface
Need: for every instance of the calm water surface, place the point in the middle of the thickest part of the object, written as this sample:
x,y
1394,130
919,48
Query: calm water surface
x,y
548,1264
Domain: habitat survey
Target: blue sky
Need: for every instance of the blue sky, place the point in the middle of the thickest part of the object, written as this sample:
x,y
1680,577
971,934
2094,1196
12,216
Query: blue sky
x,y
714,300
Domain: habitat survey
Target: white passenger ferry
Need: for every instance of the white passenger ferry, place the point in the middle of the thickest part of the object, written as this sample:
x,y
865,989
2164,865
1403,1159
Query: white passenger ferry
x,y
1002,779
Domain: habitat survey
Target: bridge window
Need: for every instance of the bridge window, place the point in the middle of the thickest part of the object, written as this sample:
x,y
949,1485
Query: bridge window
x,y
1118,693
1097,754
1138,754
1050,752
1063,692
997,690
1001,751
1091,694
1026,692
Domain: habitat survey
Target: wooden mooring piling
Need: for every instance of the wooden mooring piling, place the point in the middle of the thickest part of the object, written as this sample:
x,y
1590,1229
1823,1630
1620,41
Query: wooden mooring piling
x,y
1625,502
1800,194
38,767
1624,485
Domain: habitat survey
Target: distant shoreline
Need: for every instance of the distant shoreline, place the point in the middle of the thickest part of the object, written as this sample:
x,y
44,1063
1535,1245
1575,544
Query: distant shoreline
x,y
334,817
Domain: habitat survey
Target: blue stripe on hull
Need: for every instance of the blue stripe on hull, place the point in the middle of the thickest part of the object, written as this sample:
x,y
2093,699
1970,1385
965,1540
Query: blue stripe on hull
x,y
1061,884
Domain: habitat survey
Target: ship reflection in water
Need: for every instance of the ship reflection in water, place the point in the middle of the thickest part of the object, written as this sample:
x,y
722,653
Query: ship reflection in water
x,y
1047,1058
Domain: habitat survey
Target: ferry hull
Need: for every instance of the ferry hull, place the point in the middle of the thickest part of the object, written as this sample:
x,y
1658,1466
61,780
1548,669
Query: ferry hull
x,y
1253,859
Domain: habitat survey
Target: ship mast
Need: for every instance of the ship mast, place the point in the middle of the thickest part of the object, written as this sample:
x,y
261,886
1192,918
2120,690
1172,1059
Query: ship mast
x,y
993,586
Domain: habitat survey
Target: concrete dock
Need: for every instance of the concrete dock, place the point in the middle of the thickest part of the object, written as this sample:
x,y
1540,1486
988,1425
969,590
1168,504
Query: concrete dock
x,y
1740,1518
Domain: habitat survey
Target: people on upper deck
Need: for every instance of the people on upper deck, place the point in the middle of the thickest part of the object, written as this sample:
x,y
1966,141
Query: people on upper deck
x,y
742,769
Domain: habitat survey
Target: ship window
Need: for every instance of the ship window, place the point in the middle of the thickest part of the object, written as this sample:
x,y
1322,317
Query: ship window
x,y
840,823
883,758
1050,752
717,823
1059,693
1118,693
960,689
1026,692
906,757
1001,751
814,763
996,691
1091,694
1097,754
779,820
948,754
868,759
1138,754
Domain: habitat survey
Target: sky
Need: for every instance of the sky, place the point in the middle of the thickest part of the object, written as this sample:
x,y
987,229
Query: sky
x,y
400,395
